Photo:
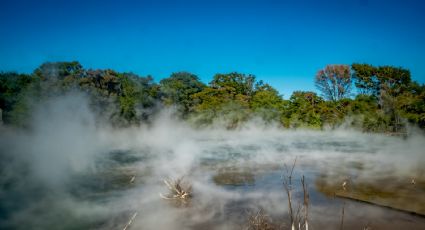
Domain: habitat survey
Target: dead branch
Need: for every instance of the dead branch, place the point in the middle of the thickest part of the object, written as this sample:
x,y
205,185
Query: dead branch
x,y
306,202
130,221
342,216
132,179
299,219
178,189
287,182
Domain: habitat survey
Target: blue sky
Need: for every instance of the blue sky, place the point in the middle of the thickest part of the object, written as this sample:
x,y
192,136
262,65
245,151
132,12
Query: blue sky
x,y
283,43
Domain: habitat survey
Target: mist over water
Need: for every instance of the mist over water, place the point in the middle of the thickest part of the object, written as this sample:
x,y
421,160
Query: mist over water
x,y
70,171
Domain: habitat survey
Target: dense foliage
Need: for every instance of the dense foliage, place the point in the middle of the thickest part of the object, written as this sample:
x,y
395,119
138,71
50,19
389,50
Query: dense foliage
x,y
373,99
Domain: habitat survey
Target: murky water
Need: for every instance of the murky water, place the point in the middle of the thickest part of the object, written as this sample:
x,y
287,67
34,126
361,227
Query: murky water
x,y
233,174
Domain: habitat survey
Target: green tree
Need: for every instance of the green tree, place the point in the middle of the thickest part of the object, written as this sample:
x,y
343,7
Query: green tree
x,y
13,88
136,96
59,70
303,110
242,83
411,104
365,79
179,88
228,98
393,80
374,80
266,102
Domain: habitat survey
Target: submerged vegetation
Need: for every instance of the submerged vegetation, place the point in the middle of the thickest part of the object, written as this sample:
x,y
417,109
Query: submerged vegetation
x,y
386,191
261,221
365,97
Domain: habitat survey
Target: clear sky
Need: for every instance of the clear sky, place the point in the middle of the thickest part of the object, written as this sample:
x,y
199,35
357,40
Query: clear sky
x,y
283,43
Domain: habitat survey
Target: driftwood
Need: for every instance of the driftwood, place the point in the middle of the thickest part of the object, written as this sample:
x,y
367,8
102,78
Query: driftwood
x,y
178,190
341,227
130,221
133,178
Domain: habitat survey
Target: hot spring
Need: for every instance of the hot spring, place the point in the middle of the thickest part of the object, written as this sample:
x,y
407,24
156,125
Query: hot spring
x,y
70,173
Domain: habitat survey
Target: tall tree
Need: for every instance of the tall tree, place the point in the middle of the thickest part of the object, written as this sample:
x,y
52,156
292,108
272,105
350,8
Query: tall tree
x,y
266,102
303,110
372,80
393,80
178,89
13,87
227,97
391,86
334,81
242,83
365,79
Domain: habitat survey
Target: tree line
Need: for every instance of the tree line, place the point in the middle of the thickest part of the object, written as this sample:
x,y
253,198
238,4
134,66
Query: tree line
x,y
362,96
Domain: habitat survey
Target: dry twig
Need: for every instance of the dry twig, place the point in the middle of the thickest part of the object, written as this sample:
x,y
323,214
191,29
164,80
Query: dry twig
x,y
342,216
287,183
132,179
130,221
177,190
306,202
299,219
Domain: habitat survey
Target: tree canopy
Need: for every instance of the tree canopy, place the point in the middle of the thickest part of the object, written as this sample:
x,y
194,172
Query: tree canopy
x,y
385,98
334,81
179,88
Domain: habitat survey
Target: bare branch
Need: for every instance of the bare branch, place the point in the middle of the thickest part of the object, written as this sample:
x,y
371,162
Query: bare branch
x,y
177,190
130,221
306,202
287,182
342,216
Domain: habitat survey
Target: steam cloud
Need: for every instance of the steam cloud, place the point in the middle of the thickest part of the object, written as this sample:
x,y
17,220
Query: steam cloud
x,y
70,171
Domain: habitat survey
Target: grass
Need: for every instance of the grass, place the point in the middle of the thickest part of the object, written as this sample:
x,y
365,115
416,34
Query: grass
x,y
234,176
261,221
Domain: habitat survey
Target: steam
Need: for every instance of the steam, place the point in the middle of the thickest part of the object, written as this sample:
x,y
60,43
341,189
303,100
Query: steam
x,y
71,171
